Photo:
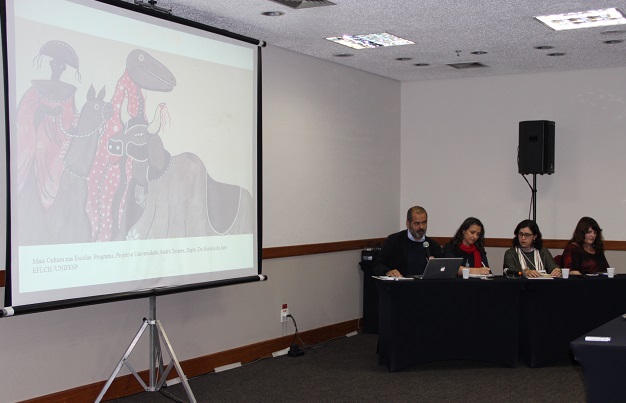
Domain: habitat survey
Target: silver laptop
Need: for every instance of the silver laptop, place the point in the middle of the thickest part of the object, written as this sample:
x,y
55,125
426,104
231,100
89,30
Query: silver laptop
x,y
441,268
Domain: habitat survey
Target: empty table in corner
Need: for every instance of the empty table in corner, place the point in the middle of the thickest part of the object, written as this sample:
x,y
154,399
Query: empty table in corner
x,y
602,356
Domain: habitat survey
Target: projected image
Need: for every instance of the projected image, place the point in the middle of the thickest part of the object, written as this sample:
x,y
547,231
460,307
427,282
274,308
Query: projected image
x,y
133,152
67,157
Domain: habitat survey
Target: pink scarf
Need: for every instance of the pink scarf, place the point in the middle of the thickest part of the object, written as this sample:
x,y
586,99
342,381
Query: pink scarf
x,y
104,178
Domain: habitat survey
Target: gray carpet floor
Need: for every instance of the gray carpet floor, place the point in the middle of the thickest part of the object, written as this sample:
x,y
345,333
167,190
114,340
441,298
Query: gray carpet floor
x,y
347,370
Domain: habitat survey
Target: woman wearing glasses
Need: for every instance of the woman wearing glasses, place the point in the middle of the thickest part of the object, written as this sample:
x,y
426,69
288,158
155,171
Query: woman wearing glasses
x,y
528,255
469,243
584,254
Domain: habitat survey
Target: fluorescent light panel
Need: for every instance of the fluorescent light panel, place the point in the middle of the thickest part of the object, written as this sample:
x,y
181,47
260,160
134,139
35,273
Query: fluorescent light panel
x,y
583,19
370,40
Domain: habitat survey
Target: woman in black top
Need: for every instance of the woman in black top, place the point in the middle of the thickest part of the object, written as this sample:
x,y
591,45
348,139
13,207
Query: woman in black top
x,y
469,244
584,254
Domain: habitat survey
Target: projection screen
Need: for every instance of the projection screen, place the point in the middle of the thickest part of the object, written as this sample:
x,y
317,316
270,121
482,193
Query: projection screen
x,y
133,149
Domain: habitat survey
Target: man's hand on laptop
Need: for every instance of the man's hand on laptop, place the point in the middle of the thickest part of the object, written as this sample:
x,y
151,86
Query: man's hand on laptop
x,y
394,273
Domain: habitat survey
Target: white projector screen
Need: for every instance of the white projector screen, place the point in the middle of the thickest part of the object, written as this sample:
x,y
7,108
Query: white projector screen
x,y
133,152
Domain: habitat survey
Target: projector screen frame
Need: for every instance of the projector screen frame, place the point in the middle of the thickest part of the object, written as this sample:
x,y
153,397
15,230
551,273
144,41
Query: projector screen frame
x,y
134,294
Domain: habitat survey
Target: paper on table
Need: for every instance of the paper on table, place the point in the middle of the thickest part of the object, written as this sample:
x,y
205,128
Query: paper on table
x,y
597,338
392,278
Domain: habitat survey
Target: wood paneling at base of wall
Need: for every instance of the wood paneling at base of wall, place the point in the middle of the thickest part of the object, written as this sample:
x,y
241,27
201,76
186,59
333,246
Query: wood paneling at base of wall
x,y
127,385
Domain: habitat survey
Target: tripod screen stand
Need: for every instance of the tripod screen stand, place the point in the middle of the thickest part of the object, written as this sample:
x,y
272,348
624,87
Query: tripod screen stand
x,y
157,375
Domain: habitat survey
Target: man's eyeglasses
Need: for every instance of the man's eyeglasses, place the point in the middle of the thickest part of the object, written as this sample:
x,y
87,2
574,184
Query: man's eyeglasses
x,y
524,235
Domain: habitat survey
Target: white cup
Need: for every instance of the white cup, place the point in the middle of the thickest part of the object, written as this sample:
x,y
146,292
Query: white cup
x,y
565,273
610,272
466,273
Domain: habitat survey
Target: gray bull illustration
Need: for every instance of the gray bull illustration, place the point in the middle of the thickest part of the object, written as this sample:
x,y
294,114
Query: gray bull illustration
x,y
174,196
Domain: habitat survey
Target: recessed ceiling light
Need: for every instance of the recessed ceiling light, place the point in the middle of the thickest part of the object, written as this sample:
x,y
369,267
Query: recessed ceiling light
x,y
543,47
479,52
421,64
273,13
343,54
612,41
298,4
468,65
614,32
402,59
370,40
583,19
556,54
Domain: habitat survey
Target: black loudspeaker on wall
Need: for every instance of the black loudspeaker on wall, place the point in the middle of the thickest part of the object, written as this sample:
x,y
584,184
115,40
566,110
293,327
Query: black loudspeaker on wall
x,y
535,153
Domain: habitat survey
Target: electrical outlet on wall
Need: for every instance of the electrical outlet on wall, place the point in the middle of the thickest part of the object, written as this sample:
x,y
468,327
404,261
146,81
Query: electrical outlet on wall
x,y
284,311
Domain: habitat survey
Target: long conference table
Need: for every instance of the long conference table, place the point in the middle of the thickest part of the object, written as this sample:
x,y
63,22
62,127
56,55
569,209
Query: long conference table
x,y
495,320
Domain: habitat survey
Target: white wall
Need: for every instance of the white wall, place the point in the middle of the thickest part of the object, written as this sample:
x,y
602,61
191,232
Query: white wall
x,y
332,147
331,152
340,163
459,151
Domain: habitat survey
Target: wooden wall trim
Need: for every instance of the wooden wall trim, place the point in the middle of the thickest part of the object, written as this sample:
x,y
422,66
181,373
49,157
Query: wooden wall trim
x,y
311,249
127,385
341,246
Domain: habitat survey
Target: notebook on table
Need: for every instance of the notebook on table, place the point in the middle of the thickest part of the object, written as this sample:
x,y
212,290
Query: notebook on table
x,y
441,268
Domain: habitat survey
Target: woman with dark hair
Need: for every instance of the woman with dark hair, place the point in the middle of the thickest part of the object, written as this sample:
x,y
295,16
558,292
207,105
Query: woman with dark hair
x,y
469,243
528,256
584,254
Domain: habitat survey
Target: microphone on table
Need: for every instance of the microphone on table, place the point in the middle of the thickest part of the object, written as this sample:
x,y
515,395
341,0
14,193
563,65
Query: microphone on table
x,y
509,272
426,246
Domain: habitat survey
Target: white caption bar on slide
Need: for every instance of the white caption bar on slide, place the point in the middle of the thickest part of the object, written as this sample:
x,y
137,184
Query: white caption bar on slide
x,y
597,338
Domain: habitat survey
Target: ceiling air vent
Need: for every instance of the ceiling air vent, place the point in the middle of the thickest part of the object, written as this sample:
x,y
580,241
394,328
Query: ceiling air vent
x,y
304,3
470,65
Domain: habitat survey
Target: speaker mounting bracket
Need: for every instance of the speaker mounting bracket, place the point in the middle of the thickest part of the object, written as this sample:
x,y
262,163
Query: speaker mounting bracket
x,y
533,198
